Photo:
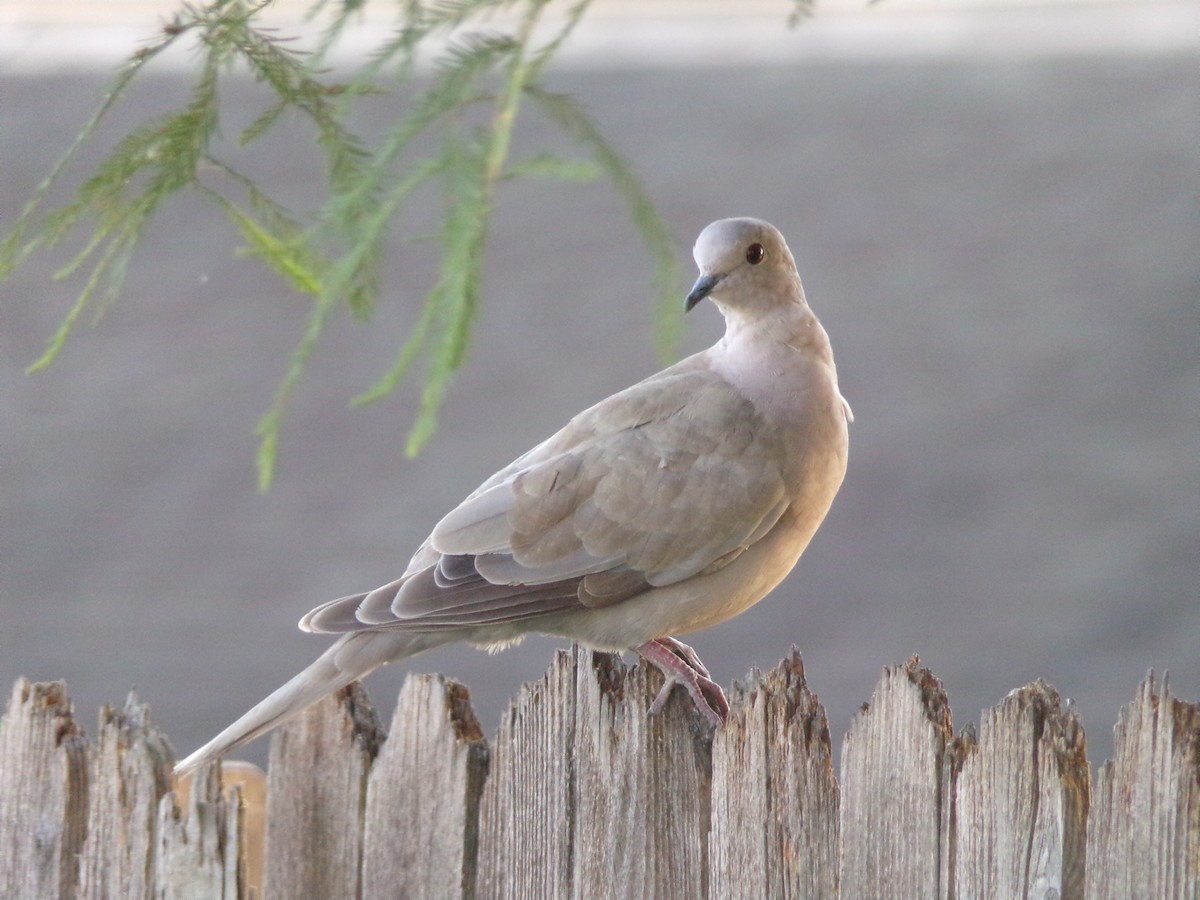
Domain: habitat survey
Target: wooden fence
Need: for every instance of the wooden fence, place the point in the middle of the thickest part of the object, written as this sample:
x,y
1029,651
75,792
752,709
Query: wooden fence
x,y
582,795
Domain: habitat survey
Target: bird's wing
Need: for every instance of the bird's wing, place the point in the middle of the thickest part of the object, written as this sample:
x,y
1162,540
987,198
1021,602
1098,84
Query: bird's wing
x,y
669,479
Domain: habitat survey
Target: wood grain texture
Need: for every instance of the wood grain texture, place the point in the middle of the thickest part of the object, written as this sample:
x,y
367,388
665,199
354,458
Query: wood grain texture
x,y
198,853
130,774
775,796
1021,802
421,832
583,795
1144,836
895,790
590,797
525,834
316,795
43,793
641,807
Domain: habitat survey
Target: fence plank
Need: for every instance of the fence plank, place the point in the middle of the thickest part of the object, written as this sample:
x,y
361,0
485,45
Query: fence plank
x,y
622,809
895,790
775,796
588,797
43,793
642,786
422,816
1144,836
130,774
199,845
246,813
1021,802
316,794
525,836
1060,833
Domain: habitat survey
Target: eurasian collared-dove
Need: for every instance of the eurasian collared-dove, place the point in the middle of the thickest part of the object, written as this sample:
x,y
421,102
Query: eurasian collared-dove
x,y
669,507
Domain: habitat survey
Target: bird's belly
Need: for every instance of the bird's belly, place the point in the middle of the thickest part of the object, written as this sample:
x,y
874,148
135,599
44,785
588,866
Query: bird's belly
x,y
703,601
693,604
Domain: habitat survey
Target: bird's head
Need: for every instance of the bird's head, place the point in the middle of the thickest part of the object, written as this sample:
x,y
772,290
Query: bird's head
x,y
745,267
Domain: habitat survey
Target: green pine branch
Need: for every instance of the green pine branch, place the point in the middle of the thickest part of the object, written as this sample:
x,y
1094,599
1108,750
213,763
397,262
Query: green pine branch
x,y
470,101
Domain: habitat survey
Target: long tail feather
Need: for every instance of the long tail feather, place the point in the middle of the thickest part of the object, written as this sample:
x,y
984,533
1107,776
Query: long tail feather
x,y
351,657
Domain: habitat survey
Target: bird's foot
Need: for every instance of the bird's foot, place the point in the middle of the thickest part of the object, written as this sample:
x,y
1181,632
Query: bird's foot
x,y
680,664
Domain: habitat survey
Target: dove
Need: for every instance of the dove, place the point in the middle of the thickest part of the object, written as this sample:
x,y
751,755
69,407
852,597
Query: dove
x,y
665,509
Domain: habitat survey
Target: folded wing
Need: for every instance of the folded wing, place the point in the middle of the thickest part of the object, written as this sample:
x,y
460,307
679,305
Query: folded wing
x,y
667,480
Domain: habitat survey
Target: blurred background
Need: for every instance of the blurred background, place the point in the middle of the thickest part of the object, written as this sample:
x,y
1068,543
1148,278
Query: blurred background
x,y
996,213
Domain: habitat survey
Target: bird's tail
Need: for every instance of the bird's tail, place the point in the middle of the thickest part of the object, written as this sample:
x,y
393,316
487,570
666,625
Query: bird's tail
x,y
353,656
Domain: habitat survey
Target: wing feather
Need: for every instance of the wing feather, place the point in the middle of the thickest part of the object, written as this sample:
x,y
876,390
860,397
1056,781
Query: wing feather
x,y
668,479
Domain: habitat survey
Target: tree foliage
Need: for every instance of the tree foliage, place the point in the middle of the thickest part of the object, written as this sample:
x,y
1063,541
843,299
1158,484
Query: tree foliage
x,y
467,100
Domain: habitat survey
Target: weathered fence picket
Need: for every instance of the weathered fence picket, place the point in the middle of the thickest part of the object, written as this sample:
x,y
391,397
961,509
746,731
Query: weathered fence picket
x,y
582,795
1021,801
130,776
43,793
895,790
422,816
774,795
315,824
1144,832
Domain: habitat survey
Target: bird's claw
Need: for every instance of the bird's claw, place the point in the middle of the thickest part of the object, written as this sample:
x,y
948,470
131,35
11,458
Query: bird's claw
x,y
681,666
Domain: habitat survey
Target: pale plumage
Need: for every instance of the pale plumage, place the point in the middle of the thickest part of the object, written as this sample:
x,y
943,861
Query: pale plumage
x,y
668,507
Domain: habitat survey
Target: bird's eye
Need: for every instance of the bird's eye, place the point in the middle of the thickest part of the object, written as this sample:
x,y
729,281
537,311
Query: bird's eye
x,y
755,254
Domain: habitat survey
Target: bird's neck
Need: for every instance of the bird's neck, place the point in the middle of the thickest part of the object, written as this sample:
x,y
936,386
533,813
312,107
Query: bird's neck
x,y
778,333
782,363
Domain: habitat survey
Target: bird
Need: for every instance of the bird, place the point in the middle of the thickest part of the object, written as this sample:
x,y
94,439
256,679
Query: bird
x,y
665,509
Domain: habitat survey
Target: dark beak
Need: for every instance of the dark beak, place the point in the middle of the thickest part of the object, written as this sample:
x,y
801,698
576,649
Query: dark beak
x,y
702,288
